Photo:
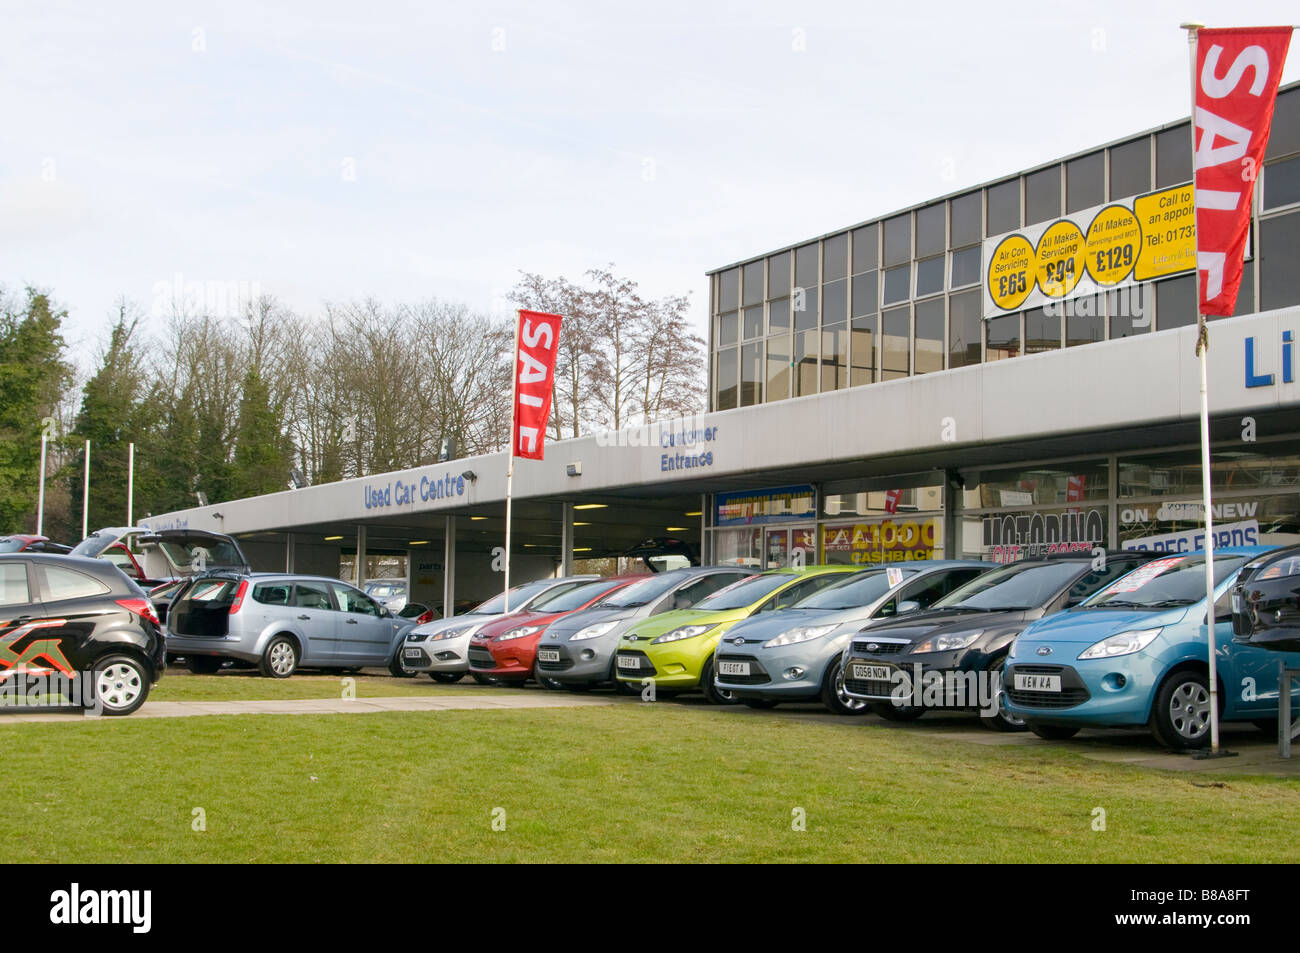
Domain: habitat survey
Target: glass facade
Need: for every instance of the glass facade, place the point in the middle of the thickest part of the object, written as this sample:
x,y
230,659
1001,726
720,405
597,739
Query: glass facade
x,y
902,295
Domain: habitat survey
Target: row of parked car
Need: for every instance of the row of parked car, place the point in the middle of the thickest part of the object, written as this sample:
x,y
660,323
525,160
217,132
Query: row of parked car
x,y
1053,645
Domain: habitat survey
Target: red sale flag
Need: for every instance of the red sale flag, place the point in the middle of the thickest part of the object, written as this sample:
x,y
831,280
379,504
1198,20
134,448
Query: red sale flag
x,y
1237,72
537,341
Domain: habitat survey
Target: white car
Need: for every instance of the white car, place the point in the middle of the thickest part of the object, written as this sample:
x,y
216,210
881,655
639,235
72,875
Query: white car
x,y
441,647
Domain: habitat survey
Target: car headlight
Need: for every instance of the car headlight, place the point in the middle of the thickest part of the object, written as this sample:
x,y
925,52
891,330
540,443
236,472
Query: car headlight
x,y
455,633
593,631
1125,643
518,633
685,632
947,643
1011,650
804,633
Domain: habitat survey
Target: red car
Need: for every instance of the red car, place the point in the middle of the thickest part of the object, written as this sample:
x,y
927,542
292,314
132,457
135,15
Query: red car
x,y
507,648
25,543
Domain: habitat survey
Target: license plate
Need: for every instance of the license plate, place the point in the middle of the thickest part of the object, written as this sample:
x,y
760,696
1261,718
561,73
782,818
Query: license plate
x,y
871,673
548,655
628,661
1038,683
411,653
733,668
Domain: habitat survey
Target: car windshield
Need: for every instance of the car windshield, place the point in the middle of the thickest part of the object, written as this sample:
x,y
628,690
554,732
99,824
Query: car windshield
x,y
572,599
639,593
519,597
1018,586
860,589
197,554
411,610
1164,583
94,544
10,545
746,592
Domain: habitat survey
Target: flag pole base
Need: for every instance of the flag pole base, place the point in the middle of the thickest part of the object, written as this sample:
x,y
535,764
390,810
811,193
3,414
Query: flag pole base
x,y
1206,754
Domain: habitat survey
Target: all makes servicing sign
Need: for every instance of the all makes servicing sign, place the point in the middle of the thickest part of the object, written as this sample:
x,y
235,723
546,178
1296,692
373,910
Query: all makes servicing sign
x,y
1108,246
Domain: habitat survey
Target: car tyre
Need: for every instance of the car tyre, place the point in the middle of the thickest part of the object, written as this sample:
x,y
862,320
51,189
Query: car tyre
x,y
546,682
447,678
760,704
397,666
1180,715
280,658
891,712
1001,720
834,696
713,694
483,679
120,684
204,664
1053,732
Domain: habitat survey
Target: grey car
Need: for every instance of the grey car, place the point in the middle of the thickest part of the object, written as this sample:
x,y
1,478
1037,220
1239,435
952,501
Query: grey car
x,y
577,651
281,622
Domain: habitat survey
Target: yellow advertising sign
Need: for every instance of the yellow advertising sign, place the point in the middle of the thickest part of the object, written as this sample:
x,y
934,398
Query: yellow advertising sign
x,y
886,541
1088,252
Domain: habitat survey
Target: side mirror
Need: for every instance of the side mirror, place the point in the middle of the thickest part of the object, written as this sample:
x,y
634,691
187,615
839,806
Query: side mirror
x,y
908,605
681,602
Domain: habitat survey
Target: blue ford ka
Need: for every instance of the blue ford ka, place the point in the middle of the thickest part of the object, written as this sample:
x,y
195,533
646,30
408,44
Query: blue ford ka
x,y
1135,654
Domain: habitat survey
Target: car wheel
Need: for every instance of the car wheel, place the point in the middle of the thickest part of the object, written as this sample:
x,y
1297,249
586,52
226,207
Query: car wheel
x,y
1001,720
397,666
484,679
891,712
834,696
447,678
762,704
1053,732
120,686
204,664
714,695
280,659
1180,716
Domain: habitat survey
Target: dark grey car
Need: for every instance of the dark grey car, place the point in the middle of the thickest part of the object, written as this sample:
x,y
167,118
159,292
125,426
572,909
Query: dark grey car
x,y
577,651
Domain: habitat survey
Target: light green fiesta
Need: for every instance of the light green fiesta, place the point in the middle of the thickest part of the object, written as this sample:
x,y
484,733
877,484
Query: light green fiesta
x,y
693,634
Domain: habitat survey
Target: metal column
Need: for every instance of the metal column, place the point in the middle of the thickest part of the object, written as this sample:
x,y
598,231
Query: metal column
x,y
361,557
288,552
566,539
951,505
449,569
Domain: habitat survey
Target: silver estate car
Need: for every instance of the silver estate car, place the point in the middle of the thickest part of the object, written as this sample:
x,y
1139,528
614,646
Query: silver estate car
x,y
441,647
281,622
577,651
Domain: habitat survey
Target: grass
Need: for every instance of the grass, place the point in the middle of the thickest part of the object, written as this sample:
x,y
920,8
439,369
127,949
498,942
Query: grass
x,y
666,783
238,685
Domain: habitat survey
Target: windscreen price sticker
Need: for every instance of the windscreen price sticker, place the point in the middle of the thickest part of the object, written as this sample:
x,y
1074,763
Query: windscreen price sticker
x,y
1010,270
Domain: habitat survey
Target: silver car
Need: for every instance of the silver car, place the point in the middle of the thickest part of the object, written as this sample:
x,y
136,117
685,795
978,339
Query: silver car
x,y
793,654
281,622
577,651
441,647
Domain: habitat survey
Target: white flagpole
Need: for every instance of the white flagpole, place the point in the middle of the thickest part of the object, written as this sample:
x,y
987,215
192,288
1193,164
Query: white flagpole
x,y
40,496
1202,350
130,485
85,498
510,467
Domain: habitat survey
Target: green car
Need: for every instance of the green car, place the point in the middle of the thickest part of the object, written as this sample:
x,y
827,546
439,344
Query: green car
x,y
675,648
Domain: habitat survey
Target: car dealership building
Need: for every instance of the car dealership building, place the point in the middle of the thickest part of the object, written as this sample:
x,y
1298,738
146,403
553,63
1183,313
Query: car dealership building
x,y
1005,371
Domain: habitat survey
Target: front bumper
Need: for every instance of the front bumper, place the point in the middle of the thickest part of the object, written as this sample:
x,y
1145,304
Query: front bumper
x,y
443,655
509,660
1102,692
577,663
671,665
767,676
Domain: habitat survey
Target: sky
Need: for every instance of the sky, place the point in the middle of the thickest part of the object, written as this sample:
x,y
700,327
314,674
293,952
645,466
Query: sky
x,y
331,151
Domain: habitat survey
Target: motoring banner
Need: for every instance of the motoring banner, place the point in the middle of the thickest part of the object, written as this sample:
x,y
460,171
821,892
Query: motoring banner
x,y
1236,80
536,346
1097,249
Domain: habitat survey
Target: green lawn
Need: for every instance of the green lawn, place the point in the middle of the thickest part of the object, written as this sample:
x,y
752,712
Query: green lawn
x,y
661,783
236,685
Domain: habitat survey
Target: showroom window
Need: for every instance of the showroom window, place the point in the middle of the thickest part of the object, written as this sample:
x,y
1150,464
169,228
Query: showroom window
x,y
965,329
967,225
778,275
1085,181
898,240
751,374
865,249
1003,337
1042,331
727,377
966,267
1173,156
865,332
929,336
1130,169
1043,195
931,231
894,340
1004,207
835,258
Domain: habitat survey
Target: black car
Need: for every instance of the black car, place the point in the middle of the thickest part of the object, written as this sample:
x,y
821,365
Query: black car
x,y
1266,601
80,620
961,642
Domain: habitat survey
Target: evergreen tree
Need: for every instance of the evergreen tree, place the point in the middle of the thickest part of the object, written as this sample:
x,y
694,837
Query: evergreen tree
x,y
262,460
33,377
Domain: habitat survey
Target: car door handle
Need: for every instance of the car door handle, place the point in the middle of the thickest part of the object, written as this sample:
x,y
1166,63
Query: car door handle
x,y
305,618
351,621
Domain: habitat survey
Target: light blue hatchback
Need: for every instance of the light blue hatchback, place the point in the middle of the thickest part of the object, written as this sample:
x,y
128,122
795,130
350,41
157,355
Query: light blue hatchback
x,y
1136,654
